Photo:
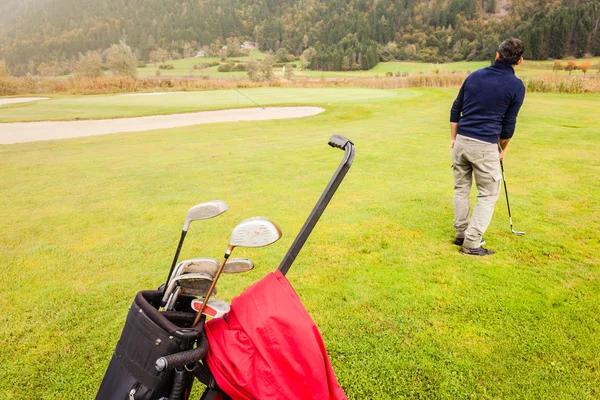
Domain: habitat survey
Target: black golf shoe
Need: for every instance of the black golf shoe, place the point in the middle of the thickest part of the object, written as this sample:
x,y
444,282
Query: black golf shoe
x,y
459,241
480,251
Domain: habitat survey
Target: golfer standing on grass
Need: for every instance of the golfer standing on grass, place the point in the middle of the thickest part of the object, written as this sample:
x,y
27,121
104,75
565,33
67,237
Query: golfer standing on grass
x,y
482,122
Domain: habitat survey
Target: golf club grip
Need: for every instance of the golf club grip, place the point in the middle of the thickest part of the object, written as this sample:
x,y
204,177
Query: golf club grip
x,y
183,358
338,141
335,141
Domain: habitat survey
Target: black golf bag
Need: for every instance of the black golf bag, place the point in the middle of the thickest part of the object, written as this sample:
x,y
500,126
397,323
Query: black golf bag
x,y
147,336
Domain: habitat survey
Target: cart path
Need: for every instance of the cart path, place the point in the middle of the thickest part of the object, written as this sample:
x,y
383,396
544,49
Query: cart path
x,y
21,132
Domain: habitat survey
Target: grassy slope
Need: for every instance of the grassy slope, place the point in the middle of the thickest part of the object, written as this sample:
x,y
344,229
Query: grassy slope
x,y
88,222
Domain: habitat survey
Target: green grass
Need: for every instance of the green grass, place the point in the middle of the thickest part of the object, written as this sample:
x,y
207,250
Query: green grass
x,y
185,67
527,68
118,106
88,222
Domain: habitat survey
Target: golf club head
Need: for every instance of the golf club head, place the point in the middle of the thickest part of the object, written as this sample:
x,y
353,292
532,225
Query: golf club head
x,y
255,232
197,284
195,281
205,210
517,233
238,265
196,265
215,308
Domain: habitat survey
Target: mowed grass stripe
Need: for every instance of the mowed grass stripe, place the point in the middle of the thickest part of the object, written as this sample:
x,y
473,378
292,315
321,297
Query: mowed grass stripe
x,y
88,222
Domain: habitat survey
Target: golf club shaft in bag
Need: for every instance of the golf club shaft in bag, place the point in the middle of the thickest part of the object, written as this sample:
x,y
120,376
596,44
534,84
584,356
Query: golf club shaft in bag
x,y
334,141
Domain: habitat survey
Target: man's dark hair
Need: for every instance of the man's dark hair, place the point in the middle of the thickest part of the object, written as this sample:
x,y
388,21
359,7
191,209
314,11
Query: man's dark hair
x,y
511,50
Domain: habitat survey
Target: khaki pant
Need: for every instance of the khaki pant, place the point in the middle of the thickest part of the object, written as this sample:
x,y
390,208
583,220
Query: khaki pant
x,y
473,157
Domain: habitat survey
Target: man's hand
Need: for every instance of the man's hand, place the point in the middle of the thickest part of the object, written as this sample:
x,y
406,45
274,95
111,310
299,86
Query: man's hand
x,y
453,133
503,146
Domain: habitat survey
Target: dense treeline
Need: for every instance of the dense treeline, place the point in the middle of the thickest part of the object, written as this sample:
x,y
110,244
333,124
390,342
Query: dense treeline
x,y
326,35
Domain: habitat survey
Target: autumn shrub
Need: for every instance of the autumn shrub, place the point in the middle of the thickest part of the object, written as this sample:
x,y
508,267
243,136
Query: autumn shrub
x,y
563,84
10,86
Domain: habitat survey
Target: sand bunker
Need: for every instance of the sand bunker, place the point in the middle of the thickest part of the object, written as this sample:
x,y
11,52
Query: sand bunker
x,y
15,100
20,132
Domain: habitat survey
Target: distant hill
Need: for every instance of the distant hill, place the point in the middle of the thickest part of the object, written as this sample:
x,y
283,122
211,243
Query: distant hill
x,y
332,34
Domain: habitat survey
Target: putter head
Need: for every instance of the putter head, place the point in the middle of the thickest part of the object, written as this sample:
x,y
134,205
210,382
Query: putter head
x,y
196,265
215,308
238,265
518,233
205,210
255,232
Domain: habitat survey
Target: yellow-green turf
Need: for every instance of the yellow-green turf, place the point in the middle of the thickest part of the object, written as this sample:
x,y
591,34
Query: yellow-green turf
x,y
87,222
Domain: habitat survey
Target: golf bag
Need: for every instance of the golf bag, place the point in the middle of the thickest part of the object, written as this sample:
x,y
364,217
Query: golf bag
x,y
155,358
147,336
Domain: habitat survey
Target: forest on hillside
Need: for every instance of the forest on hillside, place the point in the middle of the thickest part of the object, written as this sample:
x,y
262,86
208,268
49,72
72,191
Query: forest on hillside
x,y
328,35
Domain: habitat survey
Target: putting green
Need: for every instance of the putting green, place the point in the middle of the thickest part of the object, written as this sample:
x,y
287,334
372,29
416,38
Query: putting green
x,y
64,108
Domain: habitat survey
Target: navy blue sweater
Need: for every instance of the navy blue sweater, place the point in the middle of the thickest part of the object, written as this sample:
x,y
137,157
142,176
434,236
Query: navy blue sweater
x,y
488,103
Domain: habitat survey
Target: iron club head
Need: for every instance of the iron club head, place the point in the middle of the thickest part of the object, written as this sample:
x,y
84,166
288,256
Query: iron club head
x,y
237,265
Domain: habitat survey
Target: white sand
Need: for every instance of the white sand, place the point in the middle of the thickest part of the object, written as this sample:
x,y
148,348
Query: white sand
x,y
20,132
14,100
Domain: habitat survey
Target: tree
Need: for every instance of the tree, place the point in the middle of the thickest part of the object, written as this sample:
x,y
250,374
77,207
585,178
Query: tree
x,y
187,50
159,55
584,66
266,68
120,60
345,64
3,69
571,65
89,65
289,71
557,66
253,70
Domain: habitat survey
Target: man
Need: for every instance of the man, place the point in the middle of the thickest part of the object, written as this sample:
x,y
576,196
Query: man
x,y
482,122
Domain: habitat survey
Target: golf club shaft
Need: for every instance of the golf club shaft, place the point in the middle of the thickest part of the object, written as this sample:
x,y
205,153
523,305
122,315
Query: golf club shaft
x,y
508,204
506,193
214,283
183,233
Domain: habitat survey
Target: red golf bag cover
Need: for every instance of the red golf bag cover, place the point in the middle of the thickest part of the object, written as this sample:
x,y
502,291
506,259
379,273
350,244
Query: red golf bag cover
x,y
268,347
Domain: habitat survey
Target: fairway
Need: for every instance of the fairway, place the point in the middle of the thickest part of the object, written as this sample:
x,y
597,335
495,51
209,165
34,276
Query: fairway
x,y
65,108
88,222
